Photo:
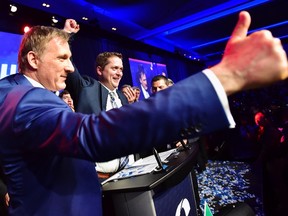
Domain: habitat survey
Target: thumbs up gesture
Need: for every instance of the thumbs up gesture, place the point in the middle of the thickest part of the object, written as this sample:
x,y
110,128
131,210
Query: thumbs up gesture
x,y
251,61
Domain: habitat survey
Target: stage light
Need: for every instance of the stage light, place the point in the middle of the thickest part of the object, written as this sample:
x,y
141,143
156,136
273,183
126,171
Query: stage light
x,y
46,5
26,29
13,8
54,19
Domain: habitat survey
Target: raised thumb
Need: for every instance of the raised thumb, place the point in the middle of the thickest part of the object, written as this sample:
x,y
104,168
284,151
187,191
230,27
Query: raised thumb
x,y
241,29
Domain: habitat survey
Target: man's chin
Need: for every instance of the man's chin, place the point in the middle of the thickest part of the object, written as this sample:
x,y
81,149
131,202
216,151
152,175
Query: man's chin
x,y
116,86
60,87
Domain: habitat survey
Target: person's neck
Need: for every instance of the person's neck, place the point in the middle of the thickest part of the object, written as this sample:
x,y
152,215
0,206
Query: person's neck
x,y
34,82
109,89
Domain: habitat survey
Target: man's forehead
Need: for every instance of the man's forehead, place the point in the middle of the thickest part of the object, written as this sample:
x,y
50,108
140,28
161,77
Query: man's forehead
x,y
159,82
59,45
59,42
114,59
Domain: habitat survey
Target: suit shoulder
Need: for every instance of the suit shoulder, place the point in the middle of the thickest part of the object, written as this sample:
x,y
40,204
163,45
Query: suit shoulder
x,y
20,91
88,81
82,81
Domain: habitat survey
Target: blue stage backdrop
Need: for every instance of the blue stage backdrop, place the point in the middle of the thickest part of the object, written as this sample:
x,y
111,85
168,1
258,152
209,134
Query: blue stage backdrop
x,y
8,53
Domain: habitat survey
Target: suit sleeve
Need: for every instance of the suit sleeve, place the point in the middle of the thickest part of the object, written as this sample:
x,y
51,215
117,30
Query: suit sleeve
x,y
75,83
189,108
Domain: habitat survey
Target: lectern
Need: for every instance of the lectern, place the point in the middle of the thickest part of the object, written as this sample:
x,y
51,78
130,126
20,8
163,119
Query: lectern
x,y
169,192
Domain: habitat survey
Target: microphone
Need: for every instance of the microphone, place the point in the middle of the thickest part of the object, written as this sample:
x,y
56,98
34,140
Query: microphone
x,y
159,162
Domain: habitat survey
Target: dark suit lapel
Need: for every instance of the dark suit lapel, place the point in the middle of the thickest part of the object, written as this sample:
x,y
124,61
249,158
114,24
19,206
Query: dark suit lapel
x,y
122,97
104,95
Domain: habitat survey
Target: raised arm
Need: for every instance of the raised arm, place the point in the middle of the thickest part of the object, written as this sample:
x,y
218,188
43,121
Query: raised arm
x,y
71,26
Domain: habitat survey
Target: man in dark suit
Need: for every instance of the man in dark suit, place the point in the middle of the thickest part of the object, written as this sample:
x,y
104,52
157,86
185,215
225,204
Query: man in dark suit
x,y
48,151
94,96
90,95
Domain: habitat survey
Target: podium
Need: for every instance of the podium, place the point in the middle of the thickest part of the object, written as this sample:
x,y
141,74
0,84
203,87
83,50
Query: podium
x,y
169,192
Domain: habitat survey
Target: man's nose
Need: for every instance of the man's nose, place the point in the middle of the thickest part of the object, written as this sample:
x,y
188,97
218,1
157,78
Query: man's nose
x,y
70,68
119,72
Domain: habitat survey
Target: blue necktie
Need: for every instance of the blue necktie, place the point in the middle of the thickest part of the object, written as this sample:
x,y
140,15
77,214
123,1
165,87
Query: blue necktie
x,y
123,162
113,100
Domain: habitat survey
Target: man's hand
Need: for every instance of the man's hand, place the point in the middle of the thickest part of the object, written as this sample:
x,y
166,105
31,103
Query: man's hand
x,y
71,26
130,94
251,61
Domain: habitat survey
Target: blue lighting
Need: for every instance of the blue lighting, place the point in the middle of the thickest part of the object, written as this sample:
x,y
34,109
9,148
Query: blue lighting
x,y
8,55
201,17
270,26
215,16
226,38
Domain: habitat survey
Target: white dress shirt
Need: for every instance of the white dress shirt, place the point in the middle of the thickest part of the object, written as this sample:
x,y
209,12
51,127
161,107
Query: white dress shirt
x,y
113,165
145,92
221,95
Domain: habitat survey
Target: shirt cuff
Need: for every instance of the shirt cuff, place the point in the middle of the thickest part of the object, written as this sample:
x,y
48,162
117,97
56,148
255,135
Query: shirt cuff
x,y
221,95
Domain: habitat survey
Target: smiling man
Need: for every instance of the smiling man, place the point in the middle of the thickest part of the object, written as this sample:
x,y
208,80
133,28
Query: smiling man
x,y
94,96
49,69
91,95
109,69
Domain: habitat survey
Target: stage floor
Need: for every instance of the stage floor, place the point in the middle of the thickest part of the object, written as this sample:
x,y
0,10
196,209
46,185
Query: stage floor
x,y
227,182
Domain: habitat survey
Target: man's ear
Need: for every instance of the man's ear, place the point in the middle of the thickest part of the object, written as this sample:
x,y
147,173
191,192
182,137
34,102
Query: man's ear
x,y
32,59
99,71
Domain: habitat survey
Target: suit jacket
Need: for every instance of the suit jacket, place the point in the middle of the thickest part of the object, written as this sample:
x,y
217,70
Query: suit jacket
x,y
141,96
48,151
88,94
91,97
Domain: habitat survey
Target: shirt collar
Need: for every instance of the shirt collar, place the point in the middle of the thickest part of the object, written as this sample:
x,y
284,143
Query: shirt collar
x,y
34,82
115,90
37,84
